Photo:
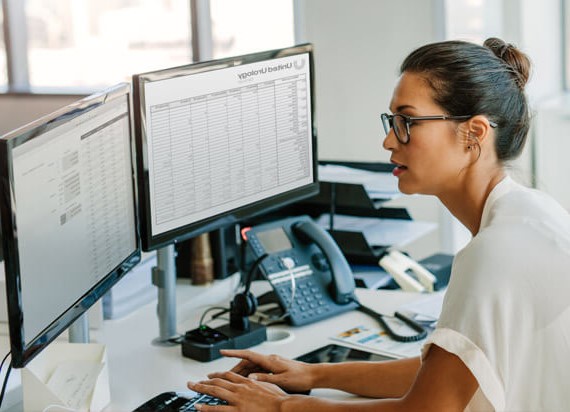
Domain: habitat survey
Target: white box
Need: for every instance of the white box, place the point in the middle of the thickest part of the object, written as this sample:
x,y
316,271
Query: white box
x,y
73,375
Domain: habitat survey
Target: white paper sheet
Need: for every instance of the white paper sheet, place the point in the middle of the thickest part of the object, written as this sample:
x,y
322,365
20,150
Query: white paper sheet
x,y
73,382
378,185
425,310
380,232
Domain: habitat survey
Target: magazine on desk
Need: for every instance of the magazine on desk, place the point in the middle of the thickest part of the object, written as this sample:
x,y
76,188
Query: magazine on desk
x,y
376,340
425,311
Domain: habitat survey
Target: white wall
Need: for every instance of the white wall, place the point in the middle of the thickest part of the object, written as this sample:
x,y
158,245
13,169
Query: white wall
x,y
536,27
359,46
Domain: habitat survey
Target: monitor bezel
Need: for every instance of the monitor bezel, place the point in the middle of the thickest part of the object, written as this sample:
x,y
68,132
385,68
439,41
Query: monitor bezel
x,y
23,352
224,219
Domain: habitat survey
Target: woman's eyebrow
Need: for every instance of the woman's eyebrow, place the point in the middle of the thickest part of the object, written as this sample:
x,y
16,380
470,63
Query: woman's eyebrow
x,y
403,107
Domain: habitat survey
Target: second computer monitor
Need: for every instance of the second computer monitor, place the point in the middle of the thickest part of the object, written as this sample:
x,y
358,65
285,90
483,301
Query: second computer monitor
x,y
68,215
224,140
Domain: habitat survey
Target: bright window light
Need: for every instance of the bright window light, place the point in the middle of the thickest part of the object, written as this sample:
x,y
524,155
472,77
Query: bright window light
x,y
247,26
94,43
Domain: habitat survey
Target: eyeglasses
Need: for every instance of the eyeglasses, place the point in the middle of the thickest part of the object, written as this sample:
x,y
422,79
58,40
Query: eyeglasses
x,y
401,123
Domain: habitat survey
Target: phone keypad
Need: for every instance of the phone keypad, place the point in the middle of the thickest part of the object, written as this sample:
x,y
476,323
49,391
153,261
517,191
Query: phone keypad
x,y
309,300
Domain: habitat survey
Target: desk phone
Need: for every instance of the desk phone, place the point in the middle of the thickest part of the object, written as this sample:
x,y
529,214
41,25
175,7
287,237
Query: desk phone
x,y
310,277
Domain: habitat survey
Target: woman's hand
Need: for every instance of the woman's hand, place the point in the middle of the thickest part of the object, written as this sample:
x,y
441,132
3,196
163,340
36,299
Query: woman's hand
x,y
291,375
241,393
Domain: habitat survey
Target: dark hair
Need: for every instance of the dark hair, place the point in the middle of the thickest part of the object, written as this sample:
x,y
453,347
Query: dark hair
x,y
470,79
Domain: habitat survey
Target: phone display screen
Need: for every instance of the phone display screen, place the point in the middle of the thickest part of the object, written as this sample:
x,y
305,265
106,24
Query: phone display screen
x,y
274,240
335,353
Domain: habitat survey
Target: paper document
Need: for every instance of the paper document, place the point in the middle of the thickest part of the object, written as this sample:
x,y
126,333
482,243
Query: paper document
x,y
379,231
378,185
426,310
377,341
73,382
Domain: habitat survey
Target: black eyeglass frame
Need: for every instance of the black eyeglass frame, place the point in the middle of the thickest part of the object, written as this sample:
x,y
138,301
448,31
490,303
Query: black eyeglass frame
x,y
388,123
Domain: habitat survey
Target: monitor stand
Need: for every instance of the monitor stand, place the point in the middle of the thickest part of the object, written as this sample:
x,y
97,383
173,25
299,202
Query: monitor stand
x,y
164,277
79,330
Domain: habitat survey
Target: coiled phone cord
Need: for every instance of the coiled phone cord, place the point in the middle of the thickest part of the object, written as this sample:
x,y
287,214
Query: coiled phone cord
x,y
421,331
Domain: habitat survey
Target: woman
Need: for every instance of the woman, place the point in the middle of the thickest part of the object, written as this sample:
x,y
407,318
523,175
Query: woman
x,y
503,338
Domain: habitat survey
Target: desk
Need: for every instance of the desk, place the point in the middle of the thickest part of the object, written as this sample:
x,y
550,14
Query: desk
x,y
139,370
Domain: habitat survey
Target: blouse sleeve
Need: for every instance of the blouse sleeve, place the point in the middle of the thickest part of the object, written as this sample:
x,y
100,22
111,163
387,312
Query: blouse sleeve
x,y
468,323
474,358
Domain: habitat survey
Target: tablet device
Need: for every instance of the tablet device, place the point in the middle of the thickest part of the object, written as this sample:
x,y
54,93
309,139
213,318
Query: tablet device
x,y
333,353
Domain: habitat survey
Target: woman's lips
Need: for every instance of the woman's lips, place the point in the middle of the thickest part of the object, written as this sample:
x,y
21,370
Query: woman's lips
x,y
398,169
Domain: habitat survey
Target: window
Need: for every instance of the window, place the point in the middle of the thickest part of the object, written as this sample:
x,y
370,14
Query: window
x,y
247,26
84,45
3,69
79,43
473,20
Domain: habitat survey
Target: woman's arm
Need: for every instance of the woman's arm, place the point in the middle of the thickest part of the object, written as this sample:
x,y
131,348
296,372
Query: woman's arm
x,y
371,379
386,379
443,383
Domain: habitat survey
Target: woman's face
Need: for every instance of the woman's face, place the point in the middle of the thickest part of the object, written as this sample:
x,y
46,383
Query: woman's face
x,y
432,161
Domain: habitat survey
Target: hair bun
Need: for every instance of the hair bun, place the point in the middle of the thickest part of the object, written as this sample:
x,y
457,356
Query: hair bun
x,y
517,61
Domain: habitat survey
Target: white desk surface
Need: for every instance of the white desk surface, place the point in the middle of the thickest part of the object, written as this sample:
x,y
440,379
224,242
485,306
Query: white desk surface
x,y
139,370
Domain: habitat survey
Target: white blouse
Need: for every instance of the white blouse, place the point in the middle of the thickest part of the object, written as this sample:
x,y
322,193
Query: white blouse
x,y
506,312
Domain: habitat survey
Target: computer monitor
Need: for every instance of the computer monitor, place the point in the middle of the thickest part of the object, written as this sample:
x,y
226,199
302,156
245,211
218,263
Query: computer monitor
x,y
68,215
222,141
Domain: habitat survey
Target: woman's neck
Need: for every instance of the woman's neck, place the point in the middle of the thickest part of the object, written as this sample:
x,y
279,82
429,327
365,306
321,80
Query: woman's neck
x,y
466,203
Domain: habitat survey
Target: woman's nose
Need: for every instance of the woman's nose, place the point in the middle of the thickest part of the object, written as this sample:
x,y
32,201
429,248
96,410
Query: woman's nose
x,y
390,141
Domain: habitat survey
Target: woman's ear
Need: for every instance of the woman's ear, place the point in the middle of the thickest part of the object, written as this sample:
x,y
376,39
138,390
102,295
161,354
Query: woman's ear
x,y
479,130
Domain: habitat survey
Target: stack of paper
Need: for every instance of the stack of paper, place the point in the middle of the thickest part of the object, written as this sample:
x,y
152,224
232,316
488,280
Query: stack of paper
x,y
425,311
380,231
378,185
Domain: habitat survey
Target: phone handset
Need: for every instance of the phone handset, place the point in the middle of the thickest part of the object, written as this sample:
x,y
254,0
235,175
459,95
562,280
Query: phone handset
x,y
342,285
308,273
401,267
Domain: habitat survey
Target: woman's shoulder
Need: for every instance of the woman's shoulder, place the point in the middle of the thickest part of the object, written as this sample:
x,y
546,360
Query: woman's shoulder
x,y
529,213
527,234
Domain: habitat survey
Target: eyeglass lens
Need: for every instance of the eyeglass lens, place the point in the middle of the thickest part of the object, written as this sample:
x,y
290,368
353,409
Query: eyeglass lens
x,y
398,123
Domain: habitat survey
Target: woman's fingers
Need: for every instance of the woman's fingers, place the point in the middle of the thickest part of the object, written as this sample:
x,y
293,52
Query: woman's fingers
x,y
242,394
226,380
268,363
217,389
245,367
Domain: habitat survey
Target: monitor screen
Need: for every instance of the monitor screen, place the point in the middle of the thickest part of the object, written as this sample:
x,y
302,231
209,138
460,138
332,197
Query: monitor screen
x,y
222,141
68,215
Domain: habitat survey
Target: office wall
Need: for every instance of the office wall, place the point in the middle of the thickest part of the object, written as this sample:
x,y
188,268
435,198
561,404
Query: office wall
x,y
536,27
359,46
17,110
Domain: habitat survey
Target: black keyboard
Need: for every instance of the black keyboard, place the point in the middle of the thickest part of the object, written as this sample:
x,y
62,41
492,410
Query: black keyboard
x,y
178,401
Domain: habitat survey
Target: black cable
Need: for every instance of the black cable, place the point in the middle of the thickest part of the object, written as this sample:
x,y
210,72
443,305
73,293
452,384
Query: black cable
x,y
5,382
252,270
421,331
216,315
4,360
